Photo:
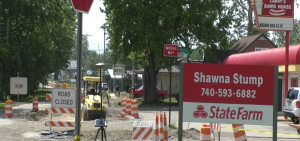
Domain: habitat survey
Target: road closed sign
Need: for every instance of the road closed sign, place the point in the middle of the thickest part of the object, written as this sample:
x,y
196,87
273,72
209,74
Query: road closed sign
x,y
236,94
63,98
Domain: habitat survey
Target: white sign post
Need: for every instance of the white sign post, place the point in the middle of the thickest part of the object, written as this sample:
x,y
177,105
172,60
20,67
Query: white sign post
x,y
18,85
64,98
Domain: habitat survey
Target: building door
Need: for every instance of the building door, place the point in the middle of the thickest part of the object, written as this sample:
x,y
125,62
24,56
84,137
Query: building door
x,y
280,95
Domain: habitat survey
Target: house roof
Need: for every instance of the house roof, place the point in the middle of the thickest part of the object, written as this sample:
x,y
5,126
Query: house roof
x,y
245,42
274,57
221,56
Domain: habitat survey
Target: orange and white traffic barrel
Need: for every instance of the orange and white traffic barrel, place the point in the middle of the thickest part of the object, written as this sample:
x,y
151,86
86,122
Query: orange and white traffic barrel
x,y
8,108
165,128
128,106
205,133
35,104
124,105
134,109
239,132
156,133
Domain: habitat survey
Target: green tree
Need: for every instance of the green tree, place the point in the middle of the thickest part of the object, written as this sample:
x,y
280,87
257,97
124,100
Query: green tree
x,y
36,39
139,29
91,60
85,48
279,37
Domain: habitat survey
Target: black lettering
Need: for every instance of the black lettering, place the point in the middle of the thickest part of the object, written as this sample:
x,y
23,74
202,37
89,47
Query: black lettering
x,y
56,101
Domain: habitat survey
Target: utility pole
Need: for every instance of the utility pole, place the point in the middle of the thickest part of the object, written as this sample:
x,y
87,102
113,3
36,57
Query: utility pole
x,y
104,56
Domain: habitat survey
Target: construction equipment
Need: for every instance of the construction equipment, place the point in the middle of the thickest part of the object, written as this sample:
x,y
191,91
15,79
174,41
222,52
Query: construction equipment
x,y
92,95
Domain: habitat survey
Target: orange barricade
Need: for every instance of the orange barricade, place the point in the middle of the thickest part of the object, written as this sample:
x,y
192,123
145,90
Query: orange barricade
x,y
205,133
128,106
239,135
8,109
35,104
134,109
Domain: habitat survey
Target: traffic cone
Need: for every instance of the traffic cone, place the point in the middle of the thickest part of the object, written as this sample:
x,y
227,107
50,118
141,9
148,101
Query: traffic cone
x,y
128,106
161,127
165,128
156,134
134,109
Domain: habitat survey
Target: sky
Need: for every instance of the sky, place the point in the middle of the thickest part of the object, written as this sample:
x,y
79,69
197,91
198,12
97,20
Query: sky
x,y
95,19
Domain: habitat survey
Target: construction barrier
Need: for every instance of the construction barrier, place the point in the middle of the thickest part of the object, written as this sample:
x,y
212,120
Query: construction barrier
x,y
134,109
59,124
128,106
239,133
48,96
142,131
8,109
205,133
60,110
35,104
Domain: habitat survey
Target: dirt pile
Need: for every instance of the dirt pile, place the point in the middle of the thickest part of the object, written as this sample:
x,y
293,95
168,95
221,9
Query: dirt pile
x,y
32,116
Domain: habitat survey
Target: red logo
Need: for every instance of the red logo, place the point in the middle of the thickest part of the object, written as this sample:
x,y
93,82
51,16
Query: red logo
x,y
200,112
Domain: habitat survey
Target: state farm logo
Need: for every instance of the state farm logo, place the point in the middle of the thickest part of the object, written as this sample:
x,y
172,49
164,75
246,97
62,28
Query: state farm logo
x,y
200,112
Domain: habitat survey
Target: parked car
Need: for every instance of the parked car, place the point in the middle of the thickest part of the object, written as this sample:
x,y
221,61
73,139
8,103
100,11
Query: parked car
x,y
161,94
292,105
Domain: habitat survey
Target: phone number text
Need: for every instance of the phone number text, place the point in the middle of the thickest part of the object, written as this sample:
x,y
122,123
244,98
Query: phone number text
x,y
242,93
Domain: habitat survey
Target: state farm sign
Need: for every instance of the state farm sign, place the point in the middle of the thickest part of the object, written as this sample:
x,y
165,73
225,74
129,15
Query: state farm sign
x,y
274,15
239,94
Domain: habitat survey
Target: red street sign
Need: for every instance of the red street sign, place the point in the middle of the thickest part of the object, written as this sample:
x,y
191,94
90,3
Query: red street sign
x,y
171,50
82,6
236,94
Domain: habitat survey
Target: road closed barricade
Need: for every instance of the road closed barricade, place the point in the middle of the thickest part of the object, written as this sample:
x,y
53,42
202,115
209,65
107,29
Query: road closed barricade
x,y
142,131
62,102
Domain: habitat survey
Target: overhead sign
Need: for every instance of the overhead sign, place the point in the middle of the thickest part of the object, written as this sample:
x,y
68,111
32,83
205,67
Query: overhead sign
x,y
274,15
236,94
18,85
170,50
82,6
63,98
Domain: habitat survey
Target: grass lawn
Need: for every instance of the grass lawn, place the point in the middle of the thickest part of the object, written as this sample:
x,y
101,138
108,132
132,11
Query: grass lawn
x,y
163,103
2,106
41,94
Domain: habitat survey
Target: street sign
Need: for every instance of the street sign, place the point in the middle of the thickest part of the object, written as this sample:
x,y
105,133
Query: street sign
x,y
63,98
170,50
18,85
119,66
82,6
186,50
236,94
274,15
67,76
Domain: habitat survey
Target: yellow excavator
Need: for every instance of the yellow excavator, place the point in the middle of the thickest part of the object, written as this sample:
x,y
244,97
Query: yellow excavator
x,y
92,106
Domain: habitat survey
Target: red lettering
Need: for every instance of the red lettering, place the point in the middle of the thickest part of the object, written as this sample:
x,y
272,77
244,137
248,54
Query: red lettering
x,y
212,111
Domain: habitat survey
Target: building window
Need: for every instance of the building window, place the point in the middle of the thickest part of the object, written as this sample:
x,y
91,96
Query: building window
x,y
294,82
258,48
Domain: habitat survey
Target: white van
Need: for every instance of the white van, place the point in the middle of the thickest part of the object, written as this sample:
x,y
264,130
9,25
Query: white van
x,y
292,104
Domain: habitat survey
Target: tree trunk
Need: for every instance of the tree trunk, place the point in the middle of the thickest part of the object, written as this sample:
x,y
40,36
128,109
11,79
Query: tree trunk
x,y
250,21
146,84
152,78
